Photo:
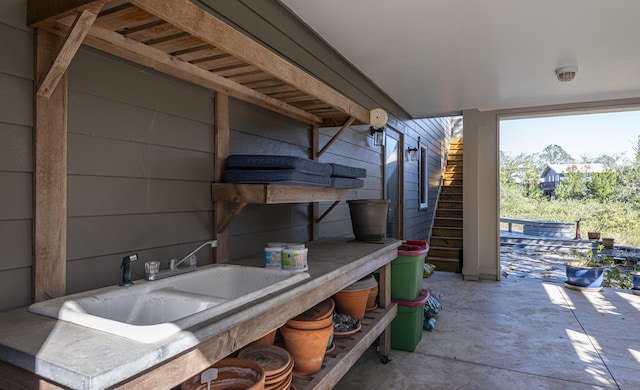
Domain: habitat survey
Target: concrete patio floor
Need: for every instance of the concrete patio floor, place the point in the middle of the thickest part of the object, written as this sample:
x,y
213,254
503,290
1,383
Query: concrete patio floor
x,y
516,333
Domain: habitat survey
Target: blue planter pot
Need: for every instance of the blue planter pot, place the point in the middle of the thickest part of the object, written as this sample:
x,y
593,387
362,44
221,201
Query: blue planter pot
x,y
635,276
589,277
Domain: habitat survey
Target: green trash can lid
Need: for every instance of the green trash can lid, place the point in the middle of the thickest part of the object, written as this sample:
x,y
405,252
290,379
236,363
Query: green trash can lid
x,y
421,300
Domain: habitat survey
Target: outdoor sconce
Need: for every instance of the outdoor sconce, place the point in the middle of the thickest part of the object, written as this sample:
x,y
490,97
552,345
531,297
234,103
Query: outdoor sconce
x,y
378,120
378,135
412,154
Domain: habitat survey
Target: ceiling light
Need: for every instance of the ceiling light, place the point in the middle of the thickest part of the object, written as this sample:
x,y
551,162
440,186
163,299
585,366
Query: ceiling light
x,y
566,73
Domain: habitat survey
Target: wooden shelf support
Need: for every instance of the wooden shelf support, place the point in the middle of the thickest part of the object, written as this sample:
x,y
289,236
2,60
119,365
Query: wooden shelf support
x,y
337,135
320,218
234,213
74,38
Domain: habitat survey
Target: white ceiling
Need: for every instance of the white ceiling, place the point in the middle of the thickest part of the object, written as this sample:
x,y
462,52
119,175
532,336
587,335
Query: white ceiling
x,y
438,57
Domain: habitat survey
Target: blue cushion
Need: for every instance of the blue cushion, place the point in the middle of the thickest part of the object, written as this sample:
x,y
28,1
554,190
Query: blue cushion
x,y
346,182
244,161
277,176
346,171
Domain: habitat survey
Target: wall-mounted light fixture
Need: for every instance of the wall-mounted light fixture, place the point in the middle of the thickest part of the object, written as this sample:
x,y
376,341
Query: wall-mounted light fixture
x,y
412,154
378,135
378,119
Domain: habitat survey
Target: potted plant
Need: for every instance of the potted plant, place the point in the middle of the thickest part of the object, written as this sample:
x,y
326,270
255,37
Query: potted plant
x,y
594,231
608,242
635,276
594,235
587,270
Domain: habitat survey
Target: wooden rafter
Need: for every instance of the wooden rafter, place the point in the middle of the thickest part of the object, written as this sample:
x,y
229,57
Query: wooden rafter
x,y
199,23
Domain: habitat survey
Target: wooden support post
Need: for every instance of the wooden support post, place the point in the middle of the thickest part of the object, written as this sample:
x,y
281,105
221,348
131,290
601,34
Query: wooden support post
x,y
385,300
49,272
315,207
221,210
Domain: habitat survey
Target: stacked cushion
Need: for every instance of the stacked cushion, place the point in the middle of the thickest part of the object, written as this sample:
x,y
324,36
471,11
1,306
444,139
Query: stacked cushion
x,y
290,170
343,176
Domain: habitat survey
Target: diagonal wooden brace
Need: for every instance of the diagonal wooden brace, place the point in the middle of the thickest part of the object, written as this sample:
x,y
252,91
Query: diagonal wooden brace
x,y
72,42
337,135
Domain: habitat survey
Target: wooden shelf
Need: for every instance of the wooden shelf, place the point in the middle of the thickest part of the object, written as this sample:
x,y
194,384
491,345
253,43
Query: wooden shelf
x,y
277,194
185,41
348,350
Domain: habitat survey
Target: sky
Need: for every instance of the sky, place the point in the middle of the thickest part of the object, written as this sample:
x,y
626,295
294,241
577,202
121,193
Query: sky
x,y
586,134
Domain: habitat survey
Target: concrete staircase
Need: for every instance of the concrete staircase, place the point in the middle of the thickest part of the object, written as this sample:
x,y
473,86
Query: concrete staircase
x,y
445,243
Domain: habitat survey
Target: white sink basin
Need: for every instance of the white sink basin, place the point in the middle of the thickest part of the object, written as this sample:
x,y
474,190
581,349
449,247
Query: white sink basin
x,y
150,311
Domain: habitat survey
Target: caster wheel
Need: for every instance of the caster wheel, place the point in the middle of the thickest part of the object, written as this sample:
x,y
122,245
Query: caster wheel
x,y
385,359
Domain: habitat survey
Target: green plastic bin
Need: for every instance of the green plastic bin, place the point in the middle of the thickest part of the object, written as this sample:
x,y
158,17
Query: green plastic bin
x,y
407,270
406,328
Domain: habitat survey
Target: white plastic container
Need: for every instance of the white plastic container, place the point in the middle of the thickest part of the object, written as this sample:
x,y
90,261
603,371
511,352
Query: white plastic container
x,y
294,257
273,254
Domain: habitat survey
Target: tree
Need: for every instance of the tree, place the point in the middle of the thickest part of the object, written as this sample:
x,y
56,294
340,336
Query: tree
x,y
636,149
573,186
602,185
554,154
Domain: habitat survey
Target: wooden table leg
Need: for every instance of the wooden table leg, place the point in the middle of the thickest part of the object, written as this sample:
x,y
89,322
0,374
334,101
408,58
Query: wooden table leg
x,y
385,300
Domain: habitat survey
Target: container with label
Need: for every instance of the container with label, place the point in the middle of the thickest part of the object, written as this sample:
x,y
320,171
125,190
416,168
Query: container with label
x,y
294,257
273,254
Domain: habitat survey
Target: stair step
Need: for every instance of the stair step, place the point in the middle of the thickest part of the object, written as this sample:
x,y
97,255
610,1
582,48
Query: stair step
x,y
451,197
450,204
454,189
447,232
449,213
452,181
445,265
445,253
447,242
453,175
447,222
453,168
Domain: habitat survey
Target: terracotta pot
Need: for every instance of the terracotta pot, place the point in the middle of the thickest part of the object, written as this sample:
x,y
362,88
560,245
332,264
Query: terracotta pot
x,y
320,311
233,373
373,294
607,242
267,339
307,347
593,235
352,302
311,325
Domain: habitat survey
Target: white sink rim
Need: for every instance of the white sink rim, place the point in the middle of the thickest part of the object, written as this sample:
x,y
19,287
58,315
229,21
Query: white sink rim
x,y
69,308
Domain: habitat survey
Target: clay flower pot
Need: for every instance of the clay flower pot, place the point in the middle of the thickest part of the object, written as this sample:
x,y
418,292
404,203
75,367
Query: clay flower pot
x,y
307,347
607,242
371,299
233,373
352,302
593,235
312,324
267,339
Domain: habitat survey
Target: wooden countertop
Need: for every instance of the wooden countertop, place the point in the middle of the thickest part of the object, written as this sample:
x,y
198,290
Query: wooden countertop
x,y
79,357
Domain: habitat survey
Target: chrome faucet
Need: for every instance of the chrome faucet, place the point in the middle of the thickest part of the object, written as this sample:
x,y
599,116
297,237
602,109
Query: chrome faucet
x,y
174,268
126,269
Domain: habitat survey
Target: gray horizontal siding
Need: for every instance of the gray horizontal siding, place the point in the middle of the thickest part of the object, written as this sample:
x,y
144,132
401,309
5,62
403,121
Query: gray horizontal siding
x,y
140,157
16,167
